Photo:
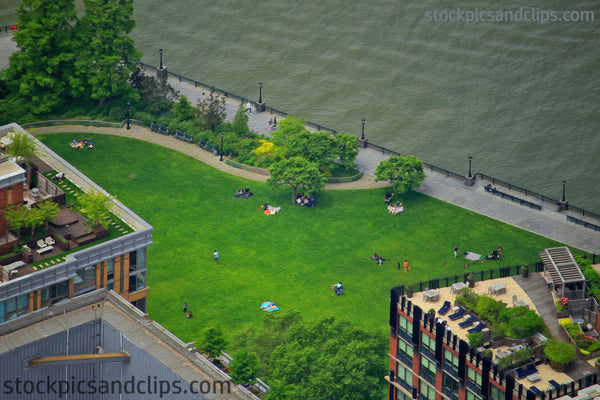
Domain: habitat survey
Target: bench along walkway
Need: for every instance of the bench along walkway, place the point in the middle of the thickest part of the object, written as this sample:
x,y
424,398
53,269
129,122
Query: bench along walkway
x,y
523,202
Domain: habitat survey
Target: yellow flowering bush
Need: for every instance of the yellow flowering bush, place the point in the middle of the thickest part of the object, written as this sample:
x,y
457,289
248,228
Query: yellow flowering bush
x,y
265,147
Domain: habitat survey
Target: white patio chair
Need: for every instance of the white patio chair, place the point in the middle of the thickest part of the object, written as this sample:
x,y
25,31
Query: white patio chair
x,y
49,241
41,243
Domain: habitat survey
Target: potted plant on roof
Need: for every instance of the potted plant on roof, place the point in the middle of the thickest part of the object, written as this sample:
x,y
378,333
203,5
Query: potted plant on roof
x,y
562,309
409,291
559,354
525,271
471,280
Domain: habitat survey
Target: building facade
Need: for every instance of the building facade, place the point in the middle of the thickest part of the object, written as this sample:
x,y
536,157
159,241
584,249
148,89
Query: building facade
x,y
118,264
429,362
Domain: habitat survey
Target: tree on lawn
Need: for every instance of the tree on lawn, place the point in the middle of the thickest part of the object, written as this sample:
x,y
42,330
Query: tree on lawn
x,y
347,150
288,128
39,72
22,147
106,56
403,172
211,112
48,212
184,110
212,341
33,219
318,147
17,219
297,173
155,94
240,121
95,207
330,359
244,367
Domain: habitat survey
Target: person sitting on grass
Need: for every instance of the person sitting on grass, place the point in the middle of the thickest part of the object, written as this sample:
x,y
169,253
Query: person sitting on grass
x,y
395,208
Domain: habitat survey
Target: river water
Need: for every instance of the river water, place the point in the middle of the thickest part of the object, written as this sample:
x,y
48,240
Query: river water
x,y
520,97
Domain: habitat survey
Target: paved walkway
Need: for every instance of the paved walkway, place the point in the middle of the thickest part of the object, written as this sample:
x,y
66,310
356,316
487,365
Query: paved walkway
x,y
547,222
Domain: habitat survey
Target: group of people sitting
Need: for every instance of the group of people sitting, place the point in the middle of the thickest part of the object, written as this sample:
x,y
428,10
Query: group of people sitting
x,y
496,254
244,193
82,144
307,201
337,288
269,209
378,258
395,208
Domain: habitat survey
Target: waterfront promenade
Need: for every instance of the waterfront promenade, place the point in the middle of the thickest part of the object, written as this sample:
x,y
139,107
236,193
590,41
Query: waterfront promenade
x,y
546,222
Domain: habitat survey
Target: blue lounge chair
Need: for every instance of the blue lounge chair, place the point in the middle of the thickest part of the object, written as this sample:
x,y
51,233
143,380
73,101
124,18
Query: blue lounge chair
x,y
535,390
457,314
554,383
445,308
476,328
468,322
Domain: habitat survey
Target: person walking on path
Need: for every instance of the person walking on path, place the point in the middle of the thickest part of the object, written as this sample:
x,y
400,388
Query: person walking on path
x,y
455,251
216,256
185,306
249,107
406,267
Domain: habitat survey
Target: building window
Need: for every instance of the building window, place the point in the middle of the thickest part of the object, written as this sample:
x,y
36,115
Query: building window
x,y
405,327
496,393
12,308
110,269
405,352
450,387
86,274
55,293
473,380
400,395
451,363
137,281
404,376
427,344
427,392
137,260
427,370
472,396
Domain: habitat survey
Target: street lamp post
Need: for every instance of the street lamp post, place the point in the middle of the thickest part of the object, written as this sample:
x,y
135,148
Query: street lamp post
x,y
128,113
221,157
564,199
260,92
160,51
362,136
470,175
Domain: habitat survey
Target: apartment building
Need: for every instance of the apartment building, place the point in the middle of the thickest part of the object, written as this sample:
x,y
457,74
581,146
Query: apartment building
x,y
69,260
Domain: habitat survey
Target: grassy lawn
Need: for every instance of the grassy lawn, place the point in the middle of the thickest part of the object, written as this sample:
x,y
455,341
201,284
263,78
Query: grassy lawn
x,y
291,257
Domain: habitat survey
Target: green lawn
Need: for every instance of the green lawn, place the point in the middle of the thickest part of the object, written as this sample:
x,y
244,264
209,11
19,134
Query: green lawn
x,y
290,258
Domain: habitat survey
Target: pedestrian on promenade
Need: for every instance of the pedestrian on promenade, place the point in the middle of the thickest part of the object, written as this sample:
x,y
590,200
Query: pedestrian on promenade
x,y
216,256
249,107
455,251
274,121
185,306
270,123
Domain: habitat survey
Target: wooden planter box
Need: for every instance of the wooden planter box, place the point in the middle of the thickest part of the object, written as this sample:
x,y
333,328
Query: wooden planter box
x,y
562,314
559,367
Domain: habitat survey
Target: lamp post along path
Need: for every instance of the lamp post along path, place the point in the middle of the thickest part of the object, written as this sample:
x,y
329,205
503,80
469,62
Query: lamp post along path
x,y
221,156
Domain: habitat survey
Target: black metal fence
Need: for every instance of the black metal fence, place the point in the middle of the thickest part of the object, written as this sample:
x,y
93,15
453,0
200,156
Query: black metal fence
x,y
436,283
